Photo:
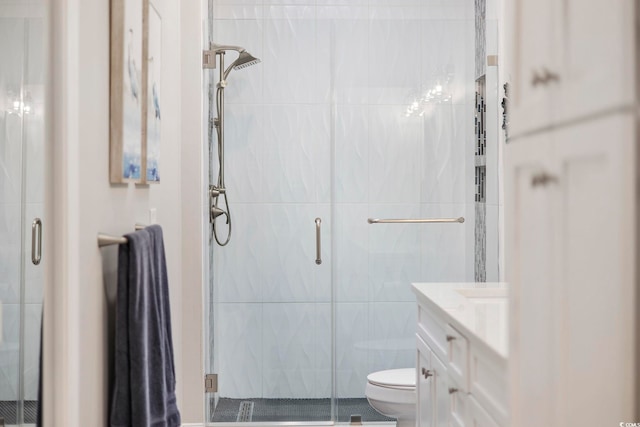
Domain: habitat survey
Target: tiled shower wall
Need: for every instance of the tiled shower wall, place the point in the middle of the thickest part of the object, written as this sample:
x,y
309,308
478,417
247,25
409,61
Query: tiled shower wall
x,y
21,196
320,129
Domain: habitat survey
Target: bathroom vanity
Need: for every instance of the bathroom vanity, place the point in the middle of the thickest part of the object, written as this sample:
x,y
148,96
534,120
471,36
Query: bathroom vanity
x,y
462,346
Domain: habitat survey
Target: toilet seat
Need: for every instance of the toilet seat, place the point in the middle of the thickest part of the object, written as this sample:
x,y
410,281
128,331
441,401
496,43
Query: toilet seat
x,y
393,393
400,379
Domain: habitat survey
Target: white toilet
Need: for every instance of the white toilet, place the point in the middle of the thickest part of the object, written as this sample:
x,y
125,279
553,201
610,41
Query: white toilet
x,y
393,393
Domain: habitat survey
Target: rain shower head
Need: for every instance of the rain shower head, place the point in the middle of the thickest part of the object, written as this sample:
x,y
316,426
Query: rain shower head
x,y
244,60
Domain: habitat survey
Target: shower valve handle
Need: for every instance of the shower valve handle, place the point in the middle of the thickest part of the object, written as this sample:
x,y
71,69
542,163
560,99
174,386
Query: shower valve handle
x,y
216,191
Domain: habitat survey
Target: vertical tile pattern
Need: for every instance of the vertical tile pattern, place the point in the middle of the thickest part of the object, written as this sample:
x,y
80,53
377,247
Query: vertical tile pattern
x,y
319,129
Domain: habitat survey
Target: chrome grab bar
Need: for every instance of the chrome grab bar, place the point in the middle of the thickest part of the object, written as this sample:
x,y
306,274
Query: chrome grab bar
x,y
414,221
318,248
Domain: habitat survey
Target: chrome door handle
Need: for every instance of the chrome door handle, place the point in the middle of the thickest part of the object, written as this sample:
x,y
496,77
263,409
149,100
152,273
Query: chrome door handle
x,y
318,244
36,241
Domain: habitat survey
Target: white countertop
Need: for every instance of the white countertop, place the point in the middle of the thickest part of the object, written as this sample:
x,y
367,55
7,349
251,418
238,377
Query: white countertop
x,y
478,310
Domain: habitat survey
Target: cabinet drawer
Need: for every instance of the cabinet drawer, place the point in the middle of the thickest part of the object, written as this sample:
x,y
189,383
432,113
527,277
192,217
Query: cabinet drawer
x,y
458,403
488,383
457,357
477,416
432,331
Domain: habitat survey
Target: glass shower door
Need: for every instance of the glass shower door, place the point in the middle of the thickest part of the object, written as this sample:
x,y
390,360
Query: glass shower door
x,y
21,202
270,293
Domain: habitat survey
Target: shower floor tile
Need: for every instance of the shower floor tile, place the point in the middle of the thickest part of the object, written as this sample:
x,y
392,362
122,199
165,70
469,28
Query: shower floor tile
x,y
303,410
8,410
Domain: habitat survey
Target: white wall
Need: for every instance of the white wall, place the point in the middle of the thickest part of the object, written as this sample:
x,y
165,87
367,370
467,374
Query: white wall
x,y
84,203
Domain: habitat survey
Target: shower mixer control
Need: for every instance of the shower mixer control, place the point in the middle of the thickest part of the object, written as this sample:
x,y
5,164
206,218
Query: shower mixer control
x,y
216,191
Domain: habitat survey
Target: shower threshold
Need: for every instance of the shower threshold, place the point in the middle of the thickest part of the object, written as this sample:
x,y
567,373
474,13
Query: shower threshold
x,y
293,410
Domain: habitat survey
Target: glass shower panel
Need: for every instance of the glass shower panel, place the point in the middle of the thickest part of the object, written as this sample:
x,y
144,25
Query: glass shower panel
x,y
12,52
33,209
21,201
403,91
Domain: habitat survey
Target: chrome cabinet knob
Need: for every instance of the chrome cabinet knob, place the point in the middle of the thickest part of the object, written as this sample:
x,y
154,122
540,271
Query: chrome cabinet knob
x,y
452,390
543,179
427,373
544,77
450,338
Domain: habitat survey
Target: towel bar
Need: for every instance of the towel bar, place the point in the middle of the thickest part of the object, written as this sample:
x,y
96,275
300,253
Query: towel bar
x,y
108,240
413,221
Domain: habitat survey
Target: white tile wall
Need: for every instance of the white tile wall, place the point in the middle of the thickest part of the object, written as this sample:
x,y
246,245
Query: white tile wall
x,y
392,338
296,153
319,129
10,253
352,348
10,352
394,155
352,282
394,253
33,316
351,153
445,170
239,330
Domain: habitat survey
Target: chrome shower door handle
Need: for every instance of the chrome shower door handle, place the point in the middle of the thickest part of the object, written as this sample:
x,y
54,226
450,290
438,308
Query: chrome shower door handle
x,y
318,245
36,241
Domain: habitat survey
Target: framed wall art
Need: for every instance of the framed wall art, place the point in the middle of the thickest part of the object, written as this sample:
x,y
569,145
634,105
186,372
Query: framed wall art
x,y
126,97
152,112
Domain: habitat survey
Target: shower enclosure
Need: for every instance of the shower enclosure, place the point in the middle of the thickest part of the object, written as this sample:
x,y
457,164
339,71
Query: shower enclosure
x,y
360,109
22,162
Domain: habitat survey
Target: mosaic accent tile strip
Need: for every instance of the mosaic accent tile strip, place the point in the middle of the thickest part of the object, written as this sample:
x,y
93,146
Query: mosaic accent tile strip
x,y
481,243
481,38
480,247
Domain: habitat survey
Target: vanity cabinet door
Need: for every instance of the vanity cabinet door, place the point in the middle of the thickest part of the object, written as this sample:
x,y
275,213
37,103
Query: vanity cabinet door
x,y
425,408
530,199
598,58
536,53
571,268
594,173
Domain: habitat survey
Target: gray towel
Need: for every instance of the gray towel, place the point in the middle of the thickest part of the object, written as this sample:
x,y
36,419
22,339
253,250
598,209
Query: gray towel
x,y
144,386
